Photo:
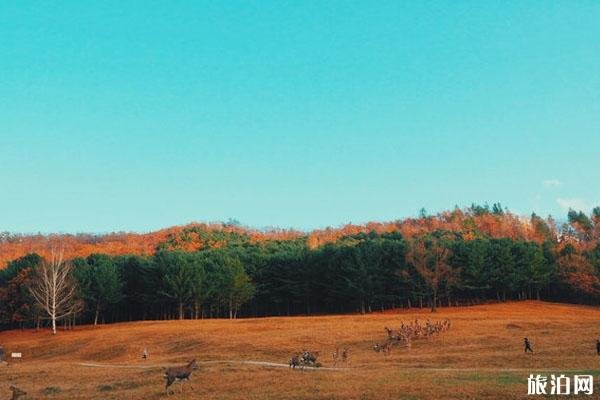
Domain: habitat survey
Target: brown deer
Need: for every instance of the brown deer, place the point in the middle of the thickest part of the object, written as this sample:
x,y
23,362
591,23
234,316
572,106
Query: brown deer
x,y
340,355
295,361
336,356
16,393
180,374
346,355
384,348
393,334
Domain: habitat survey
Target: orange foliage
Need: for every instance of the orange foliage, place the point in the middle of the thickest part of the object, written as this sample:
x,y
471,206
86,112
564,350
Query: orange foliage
x,y
189,237
82,245
470,226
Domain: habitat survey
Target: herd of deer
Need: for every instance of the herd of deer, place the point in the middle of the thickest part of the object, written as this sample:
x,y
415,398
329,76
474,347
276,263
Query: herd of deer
x,y
305,359
409,332
309,358
402,336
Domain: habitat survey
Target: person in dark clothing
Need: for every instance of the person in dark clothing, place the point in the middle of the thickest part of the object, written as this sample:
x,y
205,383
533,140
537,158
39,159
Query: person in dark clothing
x,y
527,346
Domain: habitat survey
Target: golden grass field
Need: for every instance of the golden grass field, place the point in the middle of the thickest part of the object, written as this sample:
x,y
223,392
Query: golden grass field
x,y
481,357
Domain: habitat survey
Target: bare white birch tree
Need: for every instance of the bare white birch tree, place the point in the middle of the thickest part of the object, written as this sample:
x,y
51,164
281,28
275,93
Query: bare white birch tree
x,y
54,289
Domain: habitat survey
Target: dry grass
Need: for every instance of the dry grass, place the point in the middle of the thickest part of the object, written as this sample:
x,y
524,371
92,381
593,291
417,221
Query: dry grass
x,y
480,358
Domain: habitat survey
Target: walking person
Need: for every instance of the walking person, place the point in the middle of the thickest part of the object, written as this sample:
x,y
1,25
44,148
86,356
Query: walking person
x,y
527,346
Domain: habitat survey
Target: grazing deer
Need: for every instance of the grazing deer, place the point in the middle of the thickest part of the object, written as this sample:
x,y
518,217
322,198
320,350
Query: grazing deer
x,y
309,358
16,393
394,334
305,359
385,348
180,374
295,361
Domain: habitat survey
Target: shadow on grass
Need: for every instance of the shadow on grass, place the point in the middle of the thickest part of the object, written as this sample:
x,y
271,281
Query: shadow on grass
x,y
127,385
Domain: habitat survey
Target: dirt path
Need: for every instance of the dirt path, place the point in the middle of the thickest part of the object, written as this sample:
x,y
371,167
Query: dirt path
x,y
278,365
255,363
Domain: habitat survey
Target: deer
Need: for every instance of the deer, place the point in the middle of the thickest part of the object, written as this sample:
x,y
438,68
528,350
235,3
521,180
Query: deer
x,y
309,358
16,393
180,374
340,354
346,355
386,348
393,334
295,361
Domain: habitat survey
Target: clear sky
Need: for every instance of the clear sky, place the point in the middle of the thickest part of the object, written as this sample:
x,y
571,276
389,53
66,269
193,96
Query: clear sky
x,y
297,114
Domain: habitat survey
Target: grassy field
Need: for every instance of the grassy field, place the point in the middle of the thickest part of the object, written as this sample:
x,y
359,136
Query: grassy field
x,y
481,357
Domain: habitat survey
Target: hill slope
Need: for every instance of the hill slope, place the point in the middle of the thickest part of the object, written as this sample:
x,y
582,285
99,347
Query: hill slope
x,y
481,356
470,223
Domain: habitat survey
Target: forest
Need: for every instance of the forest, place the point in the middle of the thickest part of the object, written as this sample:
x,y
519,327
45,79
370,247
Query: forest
x,y
459,257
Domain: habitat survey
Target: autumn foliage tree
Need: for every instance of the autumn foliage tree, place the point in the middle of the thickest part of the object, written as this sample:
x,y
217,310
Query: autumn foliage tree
x,y
16,306
577,273
429,257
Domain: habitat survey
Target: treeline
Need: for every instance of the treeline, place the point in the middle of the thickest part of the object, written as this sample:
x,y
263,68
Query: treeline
x,y
472,222
360,273
232,276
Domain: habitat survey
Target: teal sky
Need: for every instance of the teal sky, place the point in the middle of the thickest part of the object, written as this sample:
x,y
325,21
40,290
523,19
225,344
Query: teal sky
x,y
293,113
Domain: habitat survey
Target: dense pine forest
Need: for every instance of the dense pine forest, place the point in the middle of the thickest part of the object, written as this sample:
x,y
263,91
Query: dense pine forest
x,y
459,257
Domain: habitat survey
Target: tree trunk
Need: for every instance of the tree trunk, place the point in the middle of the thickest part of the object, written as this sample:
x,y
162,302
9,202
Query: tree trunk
x,y
434,302
53,313
181,310
96,315
230,309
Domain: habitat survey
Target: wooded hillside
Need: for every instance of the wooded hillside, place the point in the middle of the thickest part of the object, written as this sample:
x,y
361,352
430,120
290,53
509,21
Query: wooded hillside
x,y
468,256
